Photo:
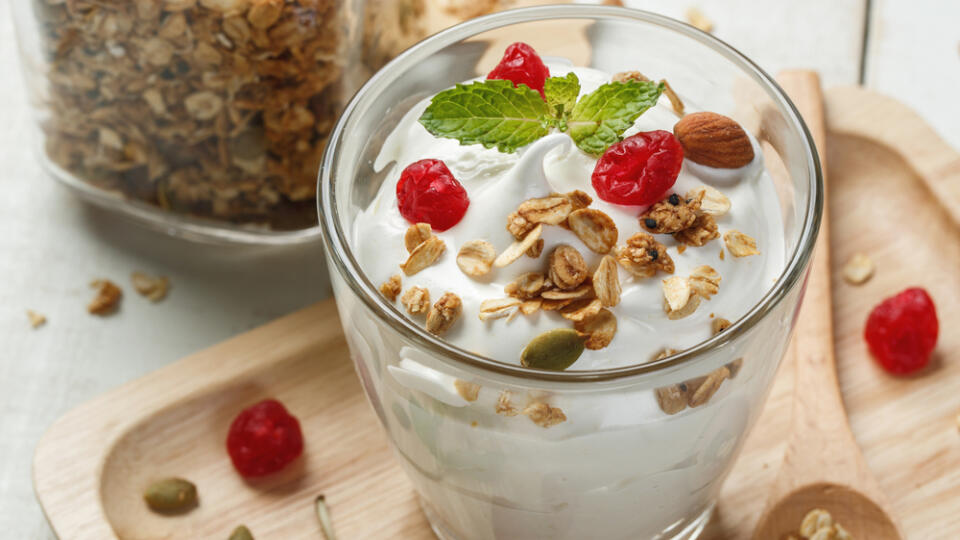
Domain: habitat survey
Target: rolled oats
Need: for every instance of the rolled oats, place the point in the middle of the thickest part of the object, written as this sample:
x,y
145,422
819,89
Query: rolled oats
x,y
739,244
536,249
467,390
815,520
518,226
581,310
858,269
391,288
497,308
518,248
711,200
416,300
546,210
702,230
216,108
505,404
444,313
417,234
423,255
679,297
583,291
643,256
598,330
36,319
675,100
702,389
543,414
526,286
578,199
594,228
567,267
606,282
671,215
107,299
705,281
529,307
154,288
476,257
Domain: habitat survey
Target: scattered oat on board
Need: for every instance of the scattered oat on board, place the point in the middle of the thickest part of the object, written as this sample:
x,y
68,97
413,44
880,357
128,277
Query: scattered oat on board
x,y
153,287
107,298
858,270
36,319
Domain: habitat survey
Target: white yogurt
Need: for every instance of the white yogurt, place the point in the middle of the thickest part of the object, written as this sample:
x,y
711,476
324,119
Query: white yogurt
x,y
618,467
497,183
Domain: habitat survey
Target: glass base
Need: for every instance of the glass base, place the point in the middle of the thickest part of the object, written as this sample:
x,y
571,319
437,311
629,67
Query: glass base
x,y
691,530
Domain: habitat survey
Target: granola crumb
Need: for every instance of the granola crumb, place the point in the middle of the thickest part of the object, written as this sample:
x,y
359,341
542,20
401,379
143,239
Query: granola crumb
x,y
723,256
719,325
416,300
444,313
474,424
417,234
700,232
422,256
107,299
543,414
643,256
858,270
467,390
625,76
672,214
505,405
391,288
680,299
568,270
154,288
36,319
681,248
739,244
698,20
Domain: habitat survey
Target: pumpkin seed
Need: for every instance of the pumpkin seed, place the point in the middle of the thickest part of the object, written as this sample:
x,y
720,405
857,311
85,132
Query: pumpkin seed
x,y
555,350
171,495
241,533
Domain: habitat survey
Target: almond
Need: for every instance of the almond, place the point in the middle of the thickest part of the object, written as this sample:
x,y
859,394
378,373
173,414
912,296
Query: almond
x,y
714,140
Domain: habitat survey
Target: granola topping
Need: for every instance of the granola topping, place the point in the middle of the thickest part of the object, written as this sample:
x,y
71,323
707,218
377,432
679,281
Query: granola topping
x,y
216,108
416,300
154,288
702,230
672,214
107,299
417,234
643,256
423,255
391,288
476,257
567,267
739,244
467,390
594,228
444,313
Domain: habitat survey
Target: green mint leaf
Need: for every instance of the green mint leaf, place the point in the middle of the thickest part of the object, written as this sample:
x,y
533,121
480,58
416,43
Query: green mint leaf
x,y
600,117
561,93
492,113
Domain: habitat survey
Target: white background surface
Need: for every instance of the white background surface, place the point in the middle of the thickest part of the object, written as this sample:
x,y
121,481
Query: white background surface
x,y
52,246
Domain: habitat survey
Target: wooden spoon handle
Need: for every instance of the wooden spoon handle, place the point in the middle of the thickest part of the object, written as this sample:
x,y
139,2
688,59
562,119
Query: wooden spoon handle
x,y
819,407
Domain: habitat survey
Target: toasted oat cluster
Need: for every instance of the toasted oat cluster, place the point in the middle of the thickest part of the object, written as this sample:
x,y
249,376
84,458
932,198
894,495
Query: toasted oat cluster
x,y
218,108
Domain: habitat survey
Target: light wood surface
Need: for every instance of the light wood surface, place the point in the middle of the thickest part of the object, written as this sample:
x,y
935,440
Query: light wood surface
x,y
92,465
53,245
822,466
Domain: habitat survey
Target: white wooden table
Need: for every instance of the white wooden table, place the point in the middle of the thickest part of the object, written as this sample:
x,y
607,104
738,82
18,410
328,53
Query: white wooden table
x,y
52,245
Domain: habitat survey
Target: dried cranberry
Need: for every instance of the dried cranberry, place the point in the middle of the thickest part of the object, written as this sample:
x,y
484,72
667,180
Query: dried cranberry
x,y
902,331
639,169
522,65
427,192
263,439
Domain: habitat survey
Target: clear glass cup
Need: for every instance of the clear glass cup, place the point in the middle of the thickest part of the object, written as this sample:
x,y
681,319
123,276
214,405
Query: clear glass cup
x,y
628,462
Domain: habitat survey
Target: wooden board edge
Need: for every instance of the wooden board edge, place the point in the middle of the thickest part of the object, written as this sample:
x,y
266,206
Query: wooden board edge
x,y
74,502
855,110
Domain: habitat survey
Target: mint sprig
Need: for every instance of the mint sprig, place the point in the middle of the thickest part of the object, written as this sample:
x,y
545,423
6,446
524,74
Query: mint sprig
x,y
600,117
561,94
493,113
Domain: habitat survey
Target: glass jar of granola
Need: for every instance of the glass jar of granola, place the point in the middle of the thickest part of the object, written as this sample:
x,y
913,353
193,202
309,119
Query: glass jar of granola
x,y
202,117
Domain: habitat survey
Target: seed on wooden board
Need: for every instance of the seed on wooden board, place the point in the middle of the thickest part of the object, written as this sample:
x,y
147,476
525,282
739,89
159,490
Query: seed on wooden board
x,y
241,533
171,495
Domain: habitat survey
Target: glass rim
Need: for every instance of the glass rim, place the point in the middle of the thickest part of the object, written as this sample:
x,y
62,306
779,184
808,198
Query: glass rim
x,y
344,262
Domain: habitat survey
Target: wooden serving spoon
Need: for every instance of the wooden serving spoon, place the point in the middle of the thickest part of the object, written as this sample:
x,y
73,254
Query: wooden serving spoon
x,y
823,466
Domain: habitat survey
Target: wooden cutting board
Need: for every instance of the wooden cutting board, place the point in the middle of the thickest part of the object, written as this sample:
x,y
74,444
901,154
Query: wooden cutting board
x,y
92,465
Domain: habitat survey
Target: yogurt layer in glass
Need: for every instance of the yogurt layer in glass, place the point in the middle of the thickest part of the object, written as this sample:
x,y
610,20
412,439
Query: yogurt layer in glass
x,y
626,442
